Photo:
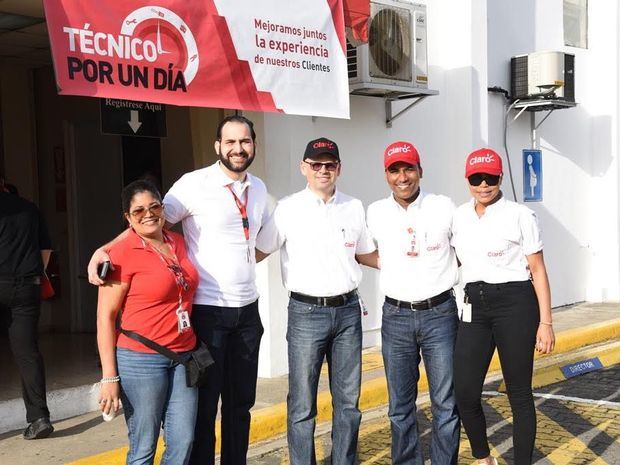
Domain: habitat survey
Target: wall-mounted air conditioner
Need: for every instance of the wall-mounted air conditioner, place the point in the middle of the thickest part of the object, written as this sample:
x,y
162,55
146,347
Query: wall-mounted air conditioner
x,y
543,75
394,61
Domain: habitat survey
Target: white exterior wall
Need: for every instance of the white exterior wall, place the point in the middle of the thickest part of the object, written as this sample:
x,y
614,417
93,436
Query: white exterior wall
x,y
470,43
579,212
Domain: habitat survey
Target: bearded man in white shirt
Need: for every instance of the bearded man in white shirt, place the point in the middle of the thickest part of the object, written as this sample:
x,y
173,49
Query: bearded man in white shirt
x,y
418,271
320,232
221,207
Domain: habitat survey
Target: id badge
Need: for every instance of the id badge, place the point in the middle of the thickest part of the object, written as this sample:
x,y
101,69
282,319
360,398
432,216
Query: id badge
x,y
466,310
362,305
183,321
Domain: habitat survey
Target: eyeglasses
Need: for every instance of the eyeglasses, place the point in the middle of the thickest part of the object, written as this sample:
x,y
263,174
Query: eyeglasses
x,y
178,275
476,179
317,165
140,212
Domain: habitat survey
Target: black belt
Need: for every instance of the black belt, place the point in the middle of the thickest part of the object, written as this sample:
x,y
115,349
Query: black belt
x,y
332,301
20,279
421,304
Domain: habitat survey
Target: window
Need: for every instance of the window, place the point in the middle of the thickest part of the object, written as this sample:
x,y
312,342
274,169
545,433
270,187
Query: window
x,y
576,23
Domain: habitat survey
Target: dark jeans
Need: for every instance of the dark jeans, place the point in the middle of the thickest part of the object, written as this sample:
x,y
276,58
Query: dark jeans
x,y
20,306
233,336
503,316
405,334
315,332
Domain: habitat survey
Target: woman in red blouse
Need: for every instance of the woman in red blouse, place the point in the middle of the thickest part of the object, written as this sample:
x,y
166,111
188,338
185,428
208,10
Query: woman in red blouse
x,y
151,285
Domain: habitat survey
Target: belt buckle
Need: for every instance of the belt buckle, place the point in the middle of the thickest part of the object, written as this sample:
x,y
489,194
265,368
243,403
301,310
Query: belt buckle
x,y
412,307
322,301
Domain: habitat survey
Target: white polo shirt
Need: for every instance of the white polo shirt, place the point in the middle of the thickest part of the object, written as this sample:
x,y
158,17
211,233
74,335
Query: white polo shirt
x,y
493,248
417,261
318,241
214,234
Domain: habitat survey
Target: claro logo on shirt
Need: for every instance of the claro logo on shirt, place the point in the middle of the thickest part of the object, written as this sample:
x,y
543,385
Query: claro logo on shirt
x,y
349,244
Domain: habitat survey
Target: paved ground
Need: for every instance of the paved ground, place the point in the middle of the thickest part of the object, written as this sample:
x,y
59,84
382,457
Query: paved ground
x,y
572,427
87,440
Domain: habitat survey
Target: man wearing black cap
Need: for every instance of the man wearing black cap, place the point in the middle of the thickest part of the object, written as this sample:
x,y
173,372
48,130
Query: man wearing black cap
x,y
321,231
25,249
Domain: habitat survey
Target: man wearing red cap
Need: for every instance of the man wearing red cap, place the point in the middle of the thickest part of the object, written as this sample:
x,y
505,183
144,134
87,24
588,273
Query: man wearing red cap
x,y
412,229
321,231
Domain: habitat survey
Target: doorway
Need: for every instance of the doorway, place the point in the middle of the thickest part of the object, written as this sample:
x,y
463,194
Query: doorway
x,y
102,165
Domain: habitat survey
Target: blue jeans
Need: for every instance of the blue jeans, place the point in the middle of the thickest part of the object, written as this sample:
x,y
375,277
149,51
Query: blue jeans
x,y
154,392
315,332
405,334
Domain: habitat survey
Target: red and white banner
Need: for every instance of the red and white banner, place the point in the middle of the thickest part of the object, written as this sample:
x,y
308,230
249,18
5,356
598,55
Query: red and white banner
x,y
268,55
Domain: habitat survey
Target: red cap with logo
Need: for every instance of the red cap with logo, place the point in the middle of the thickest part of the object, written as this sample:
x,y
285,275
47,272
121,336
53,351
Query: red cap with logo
x,y
483,161
400,151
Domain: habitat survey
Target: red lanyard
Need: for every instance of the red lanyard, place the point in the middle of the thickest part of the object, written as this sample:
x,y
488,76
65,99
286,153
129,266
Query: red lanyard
x,y
174,267
243,210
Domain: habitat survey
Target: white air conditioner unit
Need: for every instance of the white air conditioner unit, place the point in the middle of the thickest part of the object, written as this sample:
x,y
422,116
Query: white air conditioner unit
x,y
548,75
393,63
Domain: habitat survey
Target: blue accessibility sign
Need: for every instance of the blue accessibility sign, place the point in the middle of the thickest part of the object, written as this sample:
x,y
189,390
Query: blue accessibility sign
x,y
581,367
532,175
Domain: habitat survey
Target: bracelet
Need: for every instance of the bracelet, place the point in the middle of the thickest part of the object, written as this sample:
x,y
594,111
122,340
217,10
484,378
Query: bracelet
x,y
546,324
110,379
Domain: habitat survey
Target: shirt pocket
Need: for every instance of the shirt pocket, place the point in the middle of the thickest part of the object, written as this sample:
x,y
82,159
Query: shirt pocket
x,y
435,241
348,236
500,247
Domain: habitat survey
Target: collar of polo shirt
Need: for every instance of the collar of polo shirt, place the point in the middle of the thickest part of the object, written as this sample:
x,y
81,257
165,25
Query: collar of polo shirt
x,y
491,207
225,180
415,204
317,199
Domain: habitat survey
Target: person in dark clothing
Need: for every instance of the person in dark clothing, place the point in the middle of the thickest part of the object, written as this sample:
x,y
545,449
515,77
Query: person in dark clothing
x,y
25,248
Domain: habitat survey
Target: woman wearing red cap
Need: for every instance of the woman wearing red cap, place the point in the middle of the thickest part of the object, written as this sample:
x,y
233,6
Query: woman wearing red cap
x,y
507,304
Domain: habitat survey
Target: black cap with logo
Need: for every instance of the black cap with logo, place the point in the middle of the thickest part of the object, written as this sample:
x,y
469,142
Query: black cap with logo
x,y
321,146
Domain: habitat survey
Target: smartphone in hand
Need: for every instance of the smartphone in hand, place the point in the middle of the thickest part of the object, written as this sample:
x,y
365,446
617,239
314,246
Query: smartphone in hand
x,y
102,270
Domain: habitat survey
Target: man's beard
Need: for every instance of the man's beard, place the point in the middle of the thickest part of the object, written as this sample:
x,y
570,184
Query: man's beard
x,y
236,169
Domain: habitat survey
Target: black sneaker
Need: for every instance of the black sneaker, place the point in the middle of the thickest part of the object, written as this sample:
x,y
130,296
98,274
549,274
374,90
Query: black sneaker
x,y
39,429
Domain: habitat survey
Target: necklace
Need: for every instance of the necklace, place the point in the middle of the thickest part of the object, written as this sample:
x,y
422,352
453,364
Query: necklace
x,y
163,249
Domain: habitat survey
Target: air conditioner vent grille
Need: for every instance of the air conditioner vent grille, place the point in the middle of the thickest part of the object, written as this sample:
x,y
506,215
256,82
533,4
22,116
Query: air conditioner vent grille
x,y
390,43
351,60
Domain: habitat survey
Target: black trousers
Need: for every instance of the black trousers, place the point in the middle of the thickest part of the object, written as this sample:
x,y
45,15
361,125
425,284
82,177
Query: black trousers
x,y
503,316
233,336
20,308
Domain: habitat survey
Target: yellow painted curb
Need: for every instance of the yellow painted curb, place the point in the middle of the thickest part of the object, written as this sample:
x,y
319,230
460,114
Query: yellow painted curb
x,y
573,339
271,421
553,374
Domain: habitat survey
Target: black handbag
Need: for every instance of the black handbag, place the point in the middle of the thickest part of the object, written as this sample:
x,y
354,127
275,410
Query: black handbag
x,y
196,363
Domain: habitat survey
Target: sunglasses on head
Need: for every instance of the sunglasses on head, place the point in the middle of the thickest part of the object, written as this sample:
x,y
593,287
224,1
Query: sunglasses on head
x,y
317,165
140,212
476,179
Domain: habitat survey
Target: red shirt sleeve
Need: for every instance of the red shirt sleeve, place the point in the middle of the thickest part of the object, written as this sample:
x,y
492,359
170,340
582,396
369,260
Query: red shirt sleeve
x,y
122,267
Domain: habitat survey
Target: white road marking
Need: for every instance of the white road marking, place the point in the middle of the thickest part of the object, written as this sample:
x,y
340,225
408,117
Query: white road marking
x,y
558,397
